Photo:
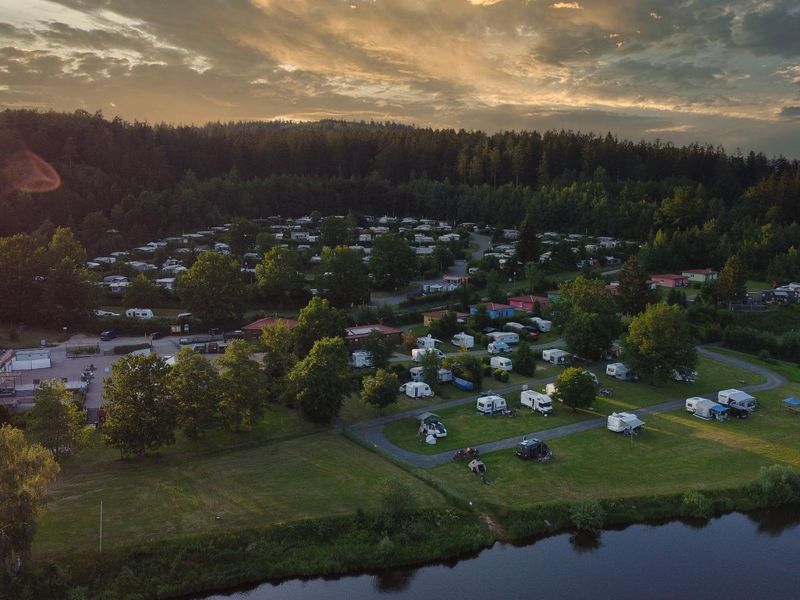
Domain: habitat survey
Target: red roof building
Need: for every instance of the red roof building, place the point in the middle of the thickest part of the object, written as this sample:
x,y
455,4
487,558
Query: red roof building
x,y
252,330
527,303
670,280
356,334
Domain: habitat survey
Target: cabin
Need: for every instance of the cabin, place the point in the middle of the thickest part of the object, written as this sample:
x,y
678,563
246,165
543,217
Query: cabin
x,y
494,310
355,336
252,331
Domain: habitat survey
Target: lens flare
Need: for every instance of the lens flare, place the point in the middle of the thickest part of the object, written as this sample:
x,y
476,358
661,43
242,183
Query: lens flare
x,y
24,171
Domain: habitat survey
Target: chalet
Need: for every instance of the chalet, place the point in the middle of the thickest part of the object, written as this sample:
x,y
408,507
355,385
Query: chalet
x,y
494,310
429,318
528,303
355,336
700,275
670,280
252,331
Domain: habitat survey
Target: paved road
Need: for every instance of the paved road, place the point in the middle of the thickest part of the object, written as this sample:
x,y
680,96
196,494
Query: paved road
x,y
371,432
459,268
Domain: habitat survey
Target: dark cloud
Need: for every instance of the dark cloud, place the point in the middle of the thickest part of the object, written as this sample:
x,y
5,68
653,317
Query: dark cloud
x,y
792,112
774,28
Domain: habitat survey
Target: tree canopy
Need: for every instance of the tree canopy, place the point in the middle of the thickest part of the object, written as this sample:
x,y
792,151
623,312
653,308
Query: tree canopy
x,y
321,380
55,421
213,289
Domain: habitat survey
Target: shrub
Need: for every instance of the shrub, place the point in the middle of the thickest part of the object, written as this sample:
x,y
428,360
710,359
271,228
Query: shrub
x,y
587,515
778,484
764,355
696,504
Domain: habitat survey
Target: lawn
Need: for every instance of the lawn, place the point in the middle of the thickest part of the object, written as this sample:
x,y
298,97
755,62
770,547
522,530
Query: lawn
x,y
284,470
466,428
675,452
757,286
789,370
30,337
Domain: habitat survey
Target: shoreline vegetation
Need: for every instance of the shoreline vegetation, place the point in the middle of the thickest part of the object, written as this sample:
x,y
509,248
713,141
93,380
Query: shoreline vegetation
x,y
395,537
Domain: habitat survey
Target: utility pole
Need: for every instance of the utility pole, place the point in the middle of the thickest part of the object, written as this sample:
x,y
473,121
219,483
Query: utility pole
x,y
101,526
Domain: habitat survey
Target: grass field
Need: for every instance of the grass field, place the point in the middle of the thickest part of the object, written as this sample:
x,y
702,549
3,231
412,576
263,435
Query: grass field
x,y
282,471
675,452
789,370
466,428
30,337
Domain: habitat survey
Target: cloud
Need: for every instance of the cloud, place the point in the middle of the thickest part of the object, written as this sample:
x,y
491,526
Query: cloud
x,y
699,68
791,112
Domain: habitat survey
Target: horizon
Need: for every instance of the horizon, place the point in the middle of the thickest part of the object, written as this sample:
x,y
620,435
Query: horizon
x,y
697,73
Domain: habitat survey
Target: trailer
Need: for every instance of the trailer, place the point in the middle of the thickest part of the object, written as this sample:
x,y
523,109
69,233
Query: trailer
x,y
536,401
556,356
624,422
427,341
706,409
463,340
543,324
416,389
490,404
418,353
498,348
620,371
361,359
501,362
509,337
442,375
737,399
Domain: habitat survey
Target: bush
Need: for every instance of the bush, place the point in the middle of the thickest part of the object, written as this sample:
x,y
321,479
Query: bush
x,y
696,504
764,355
587,515
778,484
500,375
487,370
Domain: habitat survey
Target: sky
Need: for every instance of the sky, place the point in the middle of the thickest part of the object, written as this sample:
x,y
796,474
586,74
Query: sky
x,y
720,72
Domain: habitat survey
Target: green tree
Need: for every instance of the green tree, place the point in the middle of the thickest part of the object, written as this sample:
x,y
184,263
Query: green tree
x,y
25,472
334,232
588,316
528,244
63,245
213,289
344,276
430,363
524,359
466,366
494,280
534,277
660,341
322,379
55,421
69,293
480,320
195,388
21,262
94,231
392,262
575,388
316,321
141,293
241,235
381,389
140,414
732,281
280,274
445,327
278,360
380,346
243,386
633,293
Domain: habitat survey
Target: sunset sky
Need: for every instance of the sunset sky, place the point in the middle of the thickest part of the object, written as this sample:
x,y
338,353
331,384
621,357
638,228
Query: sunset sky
x,y
700,70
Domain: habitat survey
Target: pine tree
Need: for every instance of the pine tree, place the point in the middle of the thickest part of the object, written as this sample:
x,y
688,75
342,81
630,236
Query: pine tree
x,y
634,293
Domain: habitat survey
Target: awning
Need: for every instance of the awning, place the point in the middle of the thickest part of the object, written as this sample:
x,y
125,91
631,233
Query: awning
x,y
792,401
719,408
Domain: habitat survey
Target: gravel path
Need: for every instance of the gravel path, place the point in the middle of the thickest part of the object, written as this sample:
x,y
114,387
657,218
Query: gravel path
x,y
371,431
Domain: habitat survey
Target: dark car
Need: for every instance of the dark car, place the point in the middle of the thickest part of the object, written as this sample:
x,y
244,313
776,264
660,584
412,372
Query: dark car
x,y
156,335
106,336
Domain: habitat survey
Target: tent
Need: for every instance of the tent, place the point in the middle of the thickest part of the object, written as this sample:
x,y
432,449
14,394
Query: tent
x,y
792,404
428,417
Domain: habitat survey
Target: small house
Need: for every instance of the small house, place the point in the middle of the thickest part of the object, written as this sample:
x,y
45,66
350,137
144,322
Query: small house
x,y
670,280
528,303
355,336
252,331
495,310
700,275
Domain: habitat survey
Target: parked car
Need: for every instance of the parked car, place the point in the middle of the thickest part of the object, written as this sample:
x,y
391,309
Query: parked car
x,y
107,336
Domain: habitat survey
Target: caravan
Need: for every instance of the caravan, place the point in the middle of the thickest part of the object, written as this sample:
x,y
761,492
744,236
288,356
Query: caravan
x,y
501,363
463,340
416,389
625,422
442,376
555,356
139,313
427,341
702,408
418,353
620,371
491,404
361,359
509,337
737,399
536,401
543,324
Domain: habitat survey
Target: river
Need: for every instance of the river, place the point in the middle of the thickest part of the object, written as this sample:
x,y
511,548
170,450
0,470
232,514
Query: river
x,y
754,555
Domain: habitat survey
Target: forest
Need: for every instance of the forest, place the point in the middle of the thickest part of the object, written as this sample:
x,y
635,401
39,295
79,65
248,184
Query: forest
x,y
694,204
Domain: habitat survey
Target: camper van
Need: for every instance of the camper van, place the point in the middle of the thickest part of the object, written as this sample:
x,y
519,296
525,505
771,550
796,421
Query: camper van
x,y
536,401
139,313
702,408
463,340
416,389
498,348
500,362
491,404
543,324
418,353
555,356
361,359
737,399
509,337
623,421
443,375
620,371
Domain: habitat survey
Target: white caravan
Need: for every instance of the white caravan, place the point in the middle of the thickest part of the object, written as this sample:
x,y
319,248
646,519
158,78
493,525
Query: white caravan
x,y
500,362
623,421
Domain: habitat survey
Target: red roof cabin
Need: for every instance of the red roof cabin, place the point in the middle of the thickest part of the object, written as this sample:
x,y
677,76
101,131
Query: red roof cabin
x,y
670,280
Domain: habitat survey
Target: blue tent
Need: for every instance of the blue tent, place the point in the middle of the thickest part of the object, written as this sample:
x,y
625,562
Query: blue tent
x,y
792,403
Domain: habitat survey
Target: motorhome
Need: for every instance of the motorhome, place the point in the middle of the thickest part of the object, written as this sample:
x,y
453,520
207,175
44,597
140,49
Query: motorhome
x,y
556,356
624,421
463,340
139,313
418,353
498,348
536,401
501,362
